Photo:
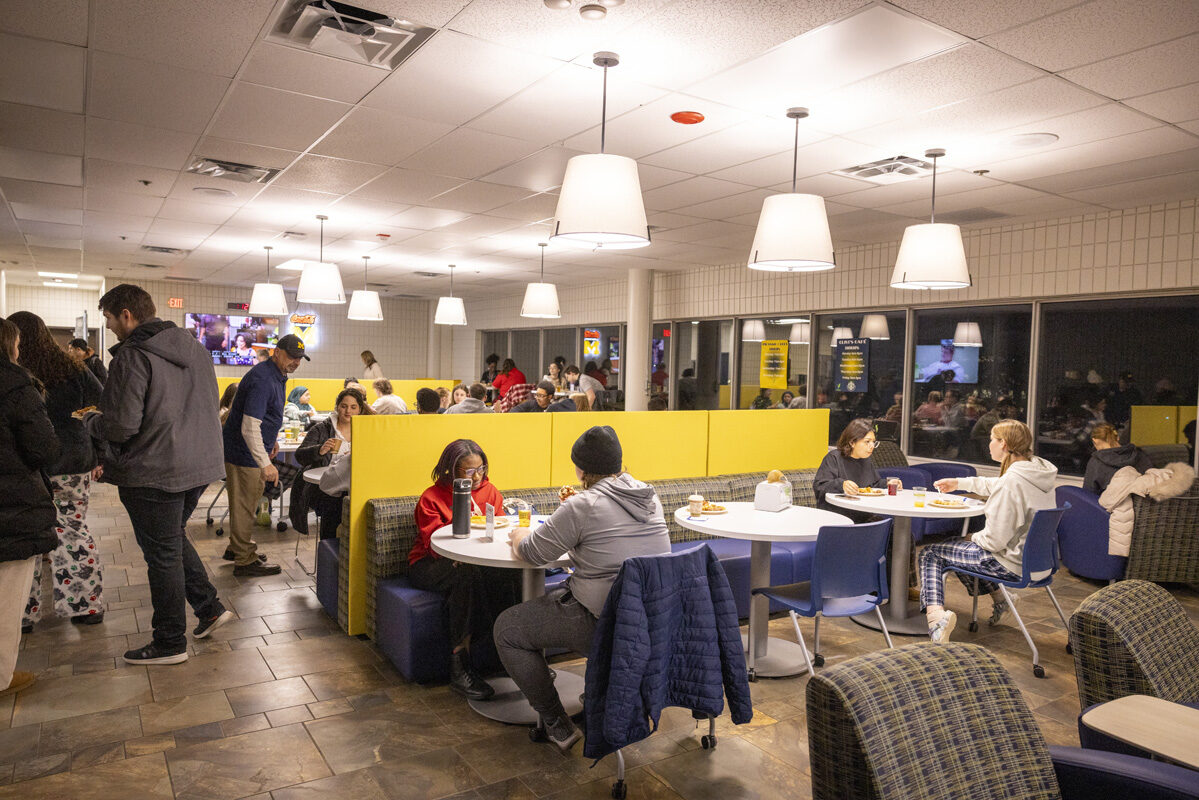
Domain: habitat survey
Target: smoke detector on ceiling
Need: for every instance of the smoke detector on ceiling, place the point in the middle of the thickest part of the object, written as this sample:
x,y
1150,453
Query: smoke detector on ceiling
x,y
896,169
348,32
589,9
232,171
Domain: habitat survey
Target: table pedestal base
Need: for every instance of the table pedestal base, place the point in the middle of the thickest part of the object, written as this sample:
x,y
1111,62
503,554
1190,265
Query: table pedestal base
x,y
510,706
782,660
915,625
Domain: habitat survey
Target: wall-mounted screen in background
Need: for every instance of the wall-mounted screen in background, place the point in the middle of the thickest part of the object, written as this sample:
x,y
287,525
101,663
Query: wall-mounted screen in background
x,y
229,338
936,359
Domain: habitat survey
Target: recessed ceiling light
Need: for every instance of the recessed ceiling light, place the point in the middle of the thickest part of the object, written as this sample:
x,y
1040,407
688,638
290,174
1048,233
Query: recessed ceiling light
x,y
60,284
212,191
71,275
1030,140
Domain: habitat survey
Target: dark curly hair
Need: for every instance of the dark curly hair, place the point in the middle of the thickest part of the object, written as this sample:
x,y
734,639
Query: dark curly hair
x,y
455,451
40,354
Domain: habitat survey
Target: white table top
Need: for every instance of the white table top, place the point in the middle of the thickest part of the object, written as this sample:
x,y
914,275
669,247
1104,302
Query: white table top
x,y
743,521
288,447
495,553
1150,723
904,505
313,474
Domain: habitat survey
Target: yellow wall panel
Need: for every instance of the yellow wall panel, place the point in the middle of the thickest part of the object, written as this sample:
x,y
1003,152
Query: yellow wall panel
x,y
657,445
1154,425
741,442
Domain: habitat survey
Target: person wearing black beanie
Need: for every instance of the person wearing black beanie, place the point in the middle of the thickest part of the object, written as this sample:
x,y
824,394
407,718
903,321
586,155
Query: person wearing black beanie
x,y
597,451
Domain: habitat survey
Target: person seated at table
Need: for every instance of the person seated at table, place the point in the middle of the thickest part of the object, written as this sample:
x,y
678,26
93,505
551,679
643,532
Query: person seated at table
x,y
801,397
596,374
930,410
539,401
443,399
328,495
615,517
553,374
1110,456
427,401
509,376
326,442
785,400
1024,486
848,468
490,369
352,383
387,402
657,403
580,400
458,394
227,401
474,595
473,404
299,405
953,413
895,412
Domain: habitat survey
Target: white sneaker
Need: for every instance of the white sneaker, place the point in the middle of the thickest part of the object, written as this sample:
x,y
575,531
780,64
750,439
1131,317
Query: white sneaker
x,y
939,632
1001,608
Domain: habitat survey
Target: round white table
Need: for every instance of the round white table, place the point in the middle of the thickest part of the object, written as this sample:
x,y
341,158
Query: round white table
x,y
767,657
901,617
508,704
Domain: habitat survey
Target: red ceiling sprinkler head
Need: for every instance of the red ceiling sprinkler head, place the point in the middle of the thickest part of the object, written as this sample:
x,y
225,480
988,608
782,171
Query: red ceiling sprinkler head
x,y
382,237
687,117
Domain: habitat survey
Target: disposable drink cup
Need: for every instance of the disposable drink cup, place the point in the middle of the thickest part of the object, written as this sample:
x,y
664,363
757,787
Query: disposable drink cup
x,y
525,516
893,486
918,492
336,445
695,505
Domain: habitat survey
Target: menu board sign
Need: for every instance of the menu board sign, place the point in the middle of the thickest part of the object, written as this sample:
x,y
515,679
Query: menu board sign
x,y
772,369
851,364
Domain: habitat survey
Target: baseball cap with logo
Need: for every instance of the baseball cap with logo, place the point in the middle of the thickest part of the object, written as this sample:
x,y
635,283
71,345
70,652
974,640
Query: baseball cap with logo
x,y
292,345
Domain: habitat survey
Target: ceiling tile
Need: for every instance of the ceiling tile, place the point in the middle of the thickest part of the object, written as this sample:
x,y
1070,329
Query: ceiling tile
x,y
1142,192
121,202
746,141
1151,167
171,227
31,128
434,13
186,182
424,218
306,72
406,186
125,178
42,213
167,31
531,209
332,175
1162,66
116,225
189,211
240,153
468,153
689,192
274,118
1172,105
137,91
652,177
980,19
730,206
59,20
136,144
649,128
1132,146
28,165
1097,30
867,196
961,201
814,159
41,194
539,172
41,73
478,197
379,137
1192,126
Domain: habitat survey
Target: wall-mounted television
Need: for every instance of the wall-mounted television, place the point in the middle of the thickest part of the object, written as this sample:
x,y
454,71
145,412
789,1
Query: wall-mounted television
x,y
937,359
230,338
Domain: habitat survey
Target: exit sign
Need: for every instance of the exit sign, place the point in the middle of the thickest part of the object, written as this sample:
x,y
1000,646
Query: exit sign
x,y
175,302
238,306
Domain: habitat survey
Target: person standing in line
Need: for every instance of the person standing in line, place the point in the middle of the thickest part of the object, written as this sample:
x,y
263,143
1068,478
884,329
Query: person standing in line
x,y
251,435
159,433
373,371
79,350
27,446
75,563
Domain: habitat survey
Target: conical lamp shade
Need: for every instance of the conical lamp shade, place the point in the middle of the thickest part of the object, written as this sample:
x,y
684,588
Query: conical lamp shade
x,y
268,301
874,326
541,301
450,311
931,256
792,235
967,334
841,333
600,204
753,331
320,282
364,305
801,333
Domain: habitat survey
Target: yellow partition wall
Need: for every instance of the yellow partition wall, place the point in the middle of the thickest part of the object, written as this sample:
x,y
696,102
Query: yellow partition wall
x,y
656,445
1154,425
222,381
758,442
324,391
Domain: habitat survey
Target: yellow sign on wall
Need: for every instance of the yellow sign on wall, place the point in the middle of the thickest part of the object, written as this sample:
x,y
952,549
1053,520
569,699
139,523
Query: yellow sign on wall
x,y
772,373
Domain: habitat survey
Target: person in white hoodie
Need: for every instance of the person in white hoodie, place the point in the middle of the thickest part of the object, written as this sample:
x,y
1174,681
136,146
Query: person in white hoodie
x,y
615,517
1024,486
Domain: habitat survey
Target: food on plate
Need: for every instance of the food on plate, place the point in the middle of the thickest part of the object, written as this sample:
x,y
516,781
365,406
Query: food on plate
x,y
870,490
565,492
775,476
81,413
949,502
713,508
478,521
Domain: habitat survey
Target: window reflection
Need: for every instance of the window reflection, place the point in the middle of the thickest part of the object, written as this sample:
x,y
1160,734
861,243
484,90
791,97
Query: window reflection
x,y
792,336
704,348
873,395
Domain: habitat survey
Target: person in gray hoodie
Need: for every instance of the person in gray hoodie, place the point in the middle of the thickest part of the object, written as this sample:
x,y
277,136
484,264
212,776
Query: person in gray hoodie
x,y
158,433
1024,486
615,517
472,403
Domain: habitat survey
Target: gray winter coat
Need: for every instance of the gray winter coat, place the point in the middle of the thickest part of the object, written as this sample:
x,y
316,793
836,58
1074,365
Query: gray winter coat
x,y
159,425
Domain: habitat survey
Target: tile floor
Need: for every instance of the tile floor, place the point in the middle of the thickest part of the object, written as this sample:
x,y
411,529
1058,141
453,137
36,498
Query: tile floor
x,y
280,704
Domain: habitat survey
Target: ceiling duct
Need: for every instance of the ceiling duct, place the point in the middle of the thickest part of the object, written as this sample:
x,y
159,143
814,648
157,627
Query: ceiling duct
x,y
166,251
347,32
232,171
889,170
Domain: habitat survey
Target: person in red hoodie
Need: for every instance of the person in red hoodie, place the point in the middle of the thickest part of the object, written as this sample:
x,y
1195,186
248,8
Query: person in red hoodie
x,y
475,595
509,376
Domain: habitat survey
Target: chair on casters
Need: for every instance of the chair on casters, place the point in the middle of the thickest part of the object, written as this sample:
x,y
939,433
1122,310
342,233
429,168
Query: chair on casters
x,y
1040,563
849,576
220,531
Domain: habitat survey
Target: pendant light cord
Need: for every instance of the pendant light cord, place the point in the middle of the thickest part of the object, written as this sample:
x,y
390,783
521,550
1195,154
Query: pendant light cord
x,y
451,280
933,218
542,262
604,113
268,249
795,157
365,283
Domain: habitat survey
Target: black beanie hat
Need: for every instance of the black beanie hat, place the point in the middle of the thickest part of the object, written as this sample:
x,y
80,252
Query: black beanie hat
x,y
598,451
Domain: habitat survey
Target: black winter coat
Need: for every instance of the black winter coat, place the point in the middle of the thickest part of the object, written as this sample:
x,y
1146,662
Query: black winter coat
x,y
27,446
62,399
308,454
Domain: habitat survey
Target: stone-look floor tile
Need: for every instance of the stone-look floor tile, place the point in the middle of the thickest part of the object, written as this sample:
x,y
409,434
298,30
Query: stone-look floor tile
x,y
283,637
72,696
786,740
296,620
244,765
97,754
317,655
426,776
734,769
198,733
6,704
269,696
208,673
263,604
641,783
288,716
33,659
358,785
88,649
144,778
508,755
45,765
511,789
330,708
74,733
239,629
345,682
6,771
316,633
149,744
185,712
363,738
240,725
19,744
248,643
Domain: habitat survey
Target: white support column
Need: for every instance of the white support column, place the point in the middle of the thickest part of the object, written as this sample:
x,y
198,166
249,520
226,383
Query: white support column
x,y
637,339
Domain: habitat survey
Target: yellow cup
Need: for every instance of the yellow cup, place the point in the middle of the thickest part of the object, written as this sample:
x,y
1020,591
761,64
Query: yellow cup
x,y
524,517
918,494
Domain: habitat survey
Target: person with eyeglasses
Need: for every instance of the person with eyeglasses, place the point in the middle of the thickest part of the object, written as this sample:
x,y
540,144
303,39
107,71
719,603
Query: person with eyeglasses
x,y
475,595
849,468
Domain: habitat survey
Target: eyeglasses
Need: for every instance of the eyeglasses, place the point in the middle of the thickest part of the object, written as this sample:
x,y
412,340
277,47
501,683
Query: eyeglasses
x,y
870,442
473,471
542,396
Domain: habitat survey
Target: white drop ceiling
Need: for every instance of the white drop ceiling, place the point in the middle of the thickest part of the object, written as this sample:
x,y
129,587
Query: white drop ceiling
x,y
455,157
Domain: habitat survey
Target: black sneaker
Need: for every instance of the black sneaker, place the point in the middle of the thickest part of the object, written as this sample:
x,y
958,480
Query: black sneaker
x,y
256,569
27,629
88,619
229,555
207,626
154,654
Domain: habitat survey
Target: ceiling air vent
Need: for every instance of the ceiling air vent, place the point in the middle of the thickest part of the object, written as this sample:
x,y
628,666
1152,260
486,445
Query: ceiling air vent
x,y
166,251
428,274
347,32
889,170
232,171
182,280
966,216
294,235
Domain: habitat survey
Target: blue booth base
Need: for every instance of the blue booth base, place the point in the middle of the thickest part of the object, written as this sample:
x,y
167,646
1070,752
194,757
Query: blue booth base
x,y
328,560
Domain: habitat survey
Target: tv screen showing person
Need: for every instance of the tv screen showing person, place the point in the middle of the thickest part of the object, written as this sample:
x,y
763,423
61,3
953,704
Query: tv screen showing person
x,y
232,340
935,360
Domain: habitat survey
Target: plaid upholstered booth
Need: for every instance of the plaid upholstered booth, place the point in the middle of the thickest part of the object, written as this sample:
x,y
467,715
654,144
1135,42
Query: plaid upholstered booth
x,y
947,721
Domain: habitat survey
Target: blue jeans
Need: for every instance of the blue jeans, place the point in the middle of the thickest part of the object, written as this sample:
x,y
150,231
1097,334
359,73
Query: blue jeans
x,y
175,570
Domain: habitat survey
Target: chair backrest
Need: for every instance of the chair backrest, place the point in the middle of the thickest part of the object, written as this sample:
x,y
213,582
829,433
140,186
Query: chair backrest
x,y
850,561
904,723
947,469
1040,545
911,476
888,454
886,430
515,395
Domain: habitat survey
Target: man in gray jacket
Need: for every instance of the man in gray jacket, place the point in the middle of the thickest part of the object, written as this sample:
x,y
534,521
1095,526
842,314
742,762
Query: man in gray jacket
x,y
159,436
473,403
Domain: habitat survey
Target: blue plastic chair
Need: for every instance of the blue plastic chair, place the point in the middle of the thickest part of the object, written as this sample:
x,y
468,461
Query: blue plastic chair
x,y
849,576
1041,556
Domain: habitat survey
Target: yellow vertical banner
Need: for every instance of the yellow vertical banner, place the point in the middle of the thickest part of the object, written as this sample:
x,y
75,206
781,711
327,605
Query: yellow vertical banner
x,y
773,370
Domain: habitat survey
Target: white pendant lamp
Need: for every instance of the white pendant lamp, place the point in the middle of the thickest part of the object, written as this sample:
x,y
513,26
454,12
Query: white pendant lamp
x,y
600,205
541,299
967,334
364,303
267,299
792,234
320,282
841,333
931,256
874,326
754,330
450,310
801,333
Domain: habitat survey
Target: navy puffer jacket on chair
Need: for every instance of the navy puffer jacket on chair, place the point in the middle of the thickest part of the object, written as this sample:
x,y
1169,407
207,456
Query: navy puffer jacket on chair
x,y
669,636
